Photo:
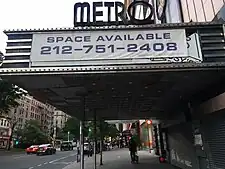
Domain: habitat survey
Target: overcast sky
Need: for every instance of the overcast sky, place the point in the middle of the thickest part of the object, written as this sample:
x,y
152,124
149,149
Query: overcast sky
x,y
16,14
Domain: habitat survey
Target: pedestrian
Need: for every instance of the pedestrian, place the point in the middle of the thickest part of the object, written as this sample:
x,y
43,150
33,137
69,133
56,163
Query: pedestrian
x,y
90,150
132,147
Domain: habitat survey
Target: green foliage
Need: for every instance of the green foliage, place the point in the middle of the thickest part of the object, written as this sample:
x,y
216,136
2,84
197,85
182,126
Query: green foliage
x,y
59,133
33,133
9,94
108,130
73,126
112,130
62,135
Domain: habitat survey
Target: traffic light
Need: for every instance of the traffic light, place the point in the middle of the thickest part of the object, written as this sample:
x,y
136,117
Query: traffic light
x,y
16,142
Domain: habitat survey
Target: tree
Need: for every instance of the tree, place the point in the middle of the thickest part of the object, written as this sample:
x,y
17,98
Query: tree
x,y
112,131
9,94
61,134
109,130
73,126
90,126
32,133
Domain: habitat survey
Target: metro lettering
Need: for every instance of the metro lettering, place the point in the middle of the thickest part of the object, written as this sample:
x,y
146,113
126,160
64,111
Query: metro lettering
x,y
120,13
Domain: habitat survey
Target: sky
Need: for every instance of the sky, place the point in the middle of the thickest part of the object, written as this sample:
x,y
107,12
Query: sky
x,y
18,14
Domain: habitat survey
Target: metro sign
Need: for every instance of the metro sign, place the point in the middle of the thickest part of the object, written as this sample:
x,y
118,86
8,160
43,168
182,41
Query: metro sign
x,y
122,15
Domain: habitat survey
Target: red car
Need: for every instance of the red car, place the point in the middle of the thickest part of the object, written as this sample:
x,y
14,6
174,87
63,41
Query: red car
x,y
32,149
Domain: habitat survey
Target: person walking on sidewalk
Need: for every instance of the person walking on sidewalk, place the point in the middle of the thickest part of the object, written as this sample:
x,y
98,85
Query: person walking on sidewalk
x,y
132,148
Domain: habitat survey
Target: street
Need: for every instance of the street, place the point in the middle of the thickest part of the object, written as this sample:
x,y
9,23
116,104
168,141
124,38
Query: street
x,y
24,161
114,159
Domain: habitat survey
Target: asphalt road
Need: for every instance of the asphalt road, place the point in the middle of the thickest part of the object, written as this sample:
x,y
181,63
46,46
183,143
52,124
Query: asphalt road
x,y
114,159
24,161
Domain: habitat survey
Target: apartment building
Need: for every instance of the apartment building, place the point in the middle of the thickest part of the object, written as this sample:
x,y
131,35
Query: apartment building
x,y
60,119
5,131
31,109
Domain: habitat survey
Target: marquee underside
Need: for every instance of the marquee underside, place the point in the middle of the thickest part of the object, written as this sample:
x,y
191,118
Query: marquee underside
x,y
134,90
120,95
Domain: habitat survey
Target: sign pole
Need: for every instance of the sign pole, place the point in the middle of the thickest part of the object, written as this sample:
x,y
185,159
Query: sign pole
x,y
81,146
149,146
82,137
101,143
95,140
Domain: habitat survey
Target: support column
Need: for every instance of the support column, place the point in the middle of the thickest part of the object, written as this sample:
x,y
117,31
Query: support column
x,y
95,140
149,145
82,136
138,134
101,143
188,113
81,145
156,140
161,141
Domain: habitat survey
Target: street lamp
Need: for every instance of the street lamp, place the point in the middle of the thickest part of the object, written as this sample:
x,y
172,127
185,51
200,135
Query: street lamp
x,y
68,136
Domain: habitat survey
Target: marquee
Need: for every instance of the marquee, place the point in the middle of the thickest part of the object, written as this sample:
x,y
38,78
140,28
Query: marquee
x,y
109,47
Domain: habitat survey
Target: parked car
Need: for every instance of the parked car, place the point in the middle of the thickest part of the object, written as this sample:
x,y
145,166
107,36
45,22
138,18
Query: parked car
x,y
88,149
32,149
45,149
66,146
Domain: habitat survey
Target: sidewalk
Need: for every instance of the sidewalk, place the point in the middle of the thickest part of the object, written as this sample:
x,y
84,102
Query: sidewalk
x,y
120,159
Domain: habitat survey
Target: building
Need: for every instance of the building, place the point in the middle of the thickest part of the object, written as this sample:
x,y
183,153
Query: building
x,y
141,127
200,10
60,119
166,11
188,98
5,131
31,109
176,11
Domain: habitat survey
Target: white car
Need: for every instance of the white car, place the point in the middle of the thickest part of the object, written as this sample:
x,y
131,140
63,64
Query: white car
x,y
46,149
